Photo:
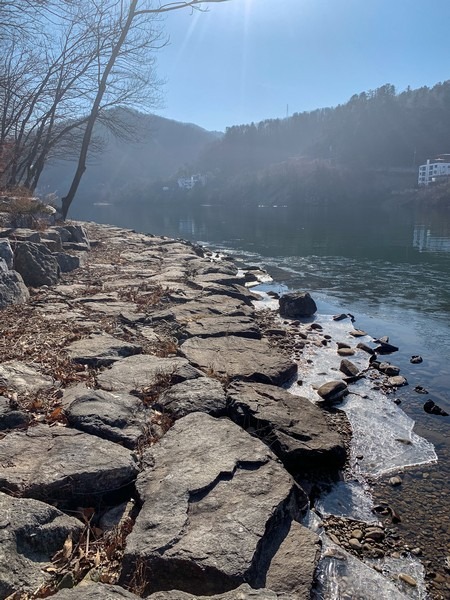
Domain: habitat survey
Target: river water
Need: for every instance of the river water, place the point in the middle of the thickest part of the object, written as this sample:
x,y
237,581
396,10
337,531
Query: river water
x,y
390,268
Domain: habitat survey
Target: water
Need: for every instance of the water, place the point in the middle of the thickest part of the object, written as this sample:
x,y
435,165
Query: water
x,y
388,266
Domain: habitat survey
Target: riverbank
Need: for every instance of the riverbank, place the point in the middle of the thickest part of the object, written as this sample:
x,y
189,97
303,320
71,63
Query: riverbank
x,y
148,390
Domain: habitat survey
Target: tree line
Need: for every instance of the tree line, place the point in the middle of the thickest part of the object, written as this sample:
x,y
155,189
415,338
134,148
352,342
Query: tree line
x,y
64,64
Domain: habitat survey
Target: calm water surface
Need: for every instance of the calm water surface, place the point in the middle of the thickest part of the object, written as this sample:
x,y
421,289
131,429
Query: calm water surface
x,y
390,268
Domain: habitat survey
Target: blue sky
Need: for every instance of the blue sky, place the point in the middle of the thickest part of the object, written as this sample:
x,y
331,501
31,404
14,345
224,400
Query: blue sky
x,y
246,60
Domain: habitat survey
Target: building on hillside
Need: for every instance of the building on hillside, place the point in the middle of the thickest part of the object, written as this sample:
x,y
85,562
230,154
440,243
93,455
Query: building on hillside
x,y
435,171
187,183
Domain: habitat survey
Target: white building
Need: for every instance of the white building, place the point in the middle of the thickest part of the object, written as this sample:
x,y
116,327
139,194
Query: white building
x,y
435,171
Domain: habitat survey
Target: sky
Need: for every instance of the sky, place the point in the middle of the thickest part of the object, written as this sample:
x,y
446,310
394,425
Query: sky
x,y
249,60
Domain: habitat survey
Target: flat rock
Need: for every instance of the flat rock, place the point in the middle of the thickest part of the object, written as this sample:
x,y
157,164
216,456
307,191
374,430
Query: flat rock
x,y
222,326
9,418
23,378
291,571
348,368
115,416
31,532
397,381
295,429
215,503
210,306
101,350
53,462
195,395
243,592
95,591
143,370
239,358
333,391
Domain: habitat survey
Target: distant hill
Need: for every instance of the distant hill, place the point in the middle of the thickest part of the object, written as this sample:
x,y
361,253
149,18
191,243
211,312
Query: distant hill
x,y
156,150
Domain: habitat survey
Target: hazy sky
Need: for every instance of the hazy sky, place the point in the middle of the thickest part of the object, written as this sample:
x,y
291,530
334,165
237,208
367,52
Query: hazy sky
x,y
246,60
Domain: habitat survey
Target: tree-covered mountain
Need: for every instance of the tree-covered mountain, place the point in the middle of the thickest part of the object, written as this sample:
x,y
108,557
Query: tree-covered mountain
x,y
144,149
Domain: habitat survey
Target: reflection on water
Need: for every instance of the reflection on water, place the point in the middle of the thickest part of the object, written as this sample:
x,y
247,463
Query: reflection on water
x,y
425,241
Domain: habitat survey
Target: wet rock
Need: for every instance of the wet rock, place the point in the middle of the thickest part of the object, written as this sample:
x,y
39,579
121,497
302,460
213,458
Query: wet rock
x,y
385,348
348,368
10,418
365,348
355,544
433,409
116,416
388,369
408,579
374,533
291,571
415,360
195,395
100,350
53,462
233,357
23,378
36,264
12,289
223,326
213,511
420,389
333,391
397,381
293,427
395,481
340,317
31,532
243,592
144,370
346,352
297,304
357,333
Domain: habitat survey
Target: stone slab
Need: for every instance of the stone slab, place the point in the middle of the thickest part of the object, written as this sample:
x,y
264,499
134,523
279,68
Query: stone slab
x,y
101,350
223,326
195,395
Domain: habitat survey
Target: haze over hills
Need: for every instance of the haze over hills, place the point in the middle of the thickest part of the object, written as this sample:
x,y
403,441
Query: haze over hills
x,y
156,148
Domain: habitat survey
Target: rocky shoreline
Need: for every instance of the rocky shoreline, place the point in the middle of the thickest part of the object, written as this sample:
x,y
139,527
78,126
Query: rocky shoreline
x,y
147,444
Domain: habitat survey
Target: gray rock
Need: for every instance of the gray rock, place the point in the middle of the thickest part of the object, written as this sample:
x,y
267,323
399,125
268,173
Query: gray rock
x,y
36,264
101,350
55,462
31,532
297,304
397,381
76,234
211,306
333,391
23,378
293,427
6,253
243,592
95,591
9,418
113,416
67,262
195,395
143,370
388,369
12,289
234,357
223,326
348,368
215,504
291,571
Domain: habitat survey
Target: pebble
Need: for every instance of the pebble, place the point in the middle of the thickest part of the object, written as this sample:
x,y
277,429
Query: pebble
x,y
357,534
346,352
408,579
415,360
394,481
355,544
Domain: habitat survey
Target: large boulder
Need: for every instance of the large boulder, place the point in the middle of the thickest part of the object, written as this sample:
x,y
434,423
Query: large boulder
x,y
233,357
36,264
216,507
294,428
31,532
54,462
6,253
297,304
12,289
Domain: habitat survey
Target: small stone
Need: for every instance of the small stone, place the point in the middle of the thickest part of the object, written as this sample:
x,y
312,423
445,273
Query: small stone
x,y
397,381
346,352
408,579
355,544
415,360
333,391
348,368
340,317
396,480
376,535
366,348
358,333
357,534
416,551
420,389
